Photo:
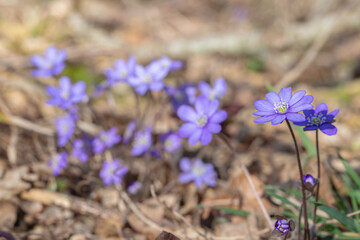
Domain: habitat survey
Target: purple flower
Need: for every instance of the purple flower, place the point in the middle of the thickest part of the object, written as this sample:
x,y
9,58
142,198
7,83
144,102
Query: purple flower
x,y
165,65
201,122
142,142
319,119
185,94
82,148
106,139
171,141
129,132
147,78
155,152
112,172
134,187
121,72
308,178
66,95
58,162
283,226
284,105
196,171
49,65
217,92
65,127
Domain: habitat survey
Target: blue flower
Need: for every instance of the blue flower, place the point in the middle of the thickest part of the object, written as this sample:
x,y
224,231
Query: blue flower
x,y
217,92
147,78
185,94
121,72
129,132
284,105
58,162
142,142
66,95
170,141
283,226
50,65
319,119
106,139
112,172
201,122
65,127
198,172
82,148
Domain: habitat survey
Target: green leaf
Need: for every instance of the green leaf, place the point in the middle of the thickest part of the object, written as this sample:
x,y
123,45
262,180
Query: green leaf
x,y
284,200
342,218
232,211
355,177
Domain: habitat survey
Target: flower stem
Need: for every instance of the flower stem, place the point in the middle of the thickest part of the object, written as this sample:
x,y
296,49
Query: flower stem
x,y
251,182
306,232
318,174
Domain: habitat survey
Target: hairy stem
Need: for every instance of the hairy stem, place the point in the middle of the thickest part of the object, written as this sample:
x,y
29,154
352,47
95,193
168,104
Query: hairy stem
x,y
306,233
318,174
252,185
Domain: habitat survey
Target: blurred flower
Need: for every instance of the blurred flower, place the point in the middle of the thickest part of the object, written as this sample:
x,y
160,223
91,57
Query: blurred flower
x,y
49,65
201,122
65,127
155,152
198,172
106,139
112,172
58,162
66,95
134,187
218,91
129,132
165,65
309,182
142,142
185,94
100,88
147,78
284,105
82,148
121,72
319,119
171,141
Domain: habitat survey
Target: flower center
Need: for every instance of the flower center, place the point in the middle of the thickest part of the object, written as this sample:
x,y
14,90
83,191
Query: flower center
x,y
65,94
123,74
148,79
281,107
212,95
198,170
167,143
316,120
141,141
103,138
202,120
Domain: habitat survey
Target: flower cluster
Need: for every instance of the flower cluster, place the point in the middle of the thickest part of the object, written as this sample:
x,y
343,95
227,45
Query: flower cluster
x,y
49,65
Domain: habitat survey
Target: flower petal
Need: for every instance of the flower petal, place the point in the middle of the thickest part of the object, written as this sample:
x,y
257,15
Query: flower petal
x,y
304,123
187,114
310,128
296,97
260,114
187,129
300,108
213,127
185,164
195,137
201,105
205,137
218,117
322,107
272,97
263,105
295,117
278,119
186,177
205,89
305,100
332,115
328,129
264,119
309,112
285,94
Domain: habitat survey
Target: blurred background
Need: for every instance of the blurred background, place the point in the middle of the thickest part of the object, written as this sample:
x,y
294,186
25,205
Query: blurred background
x,y
312,45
